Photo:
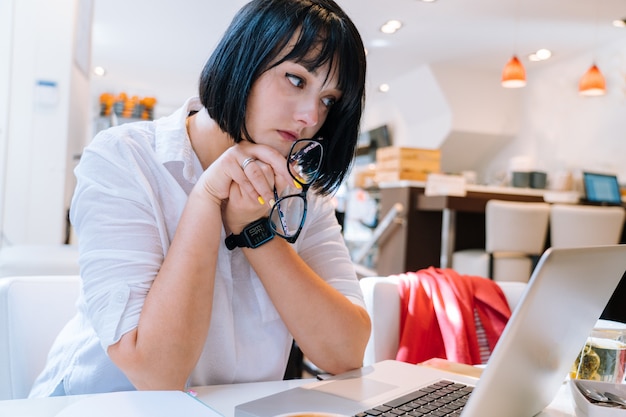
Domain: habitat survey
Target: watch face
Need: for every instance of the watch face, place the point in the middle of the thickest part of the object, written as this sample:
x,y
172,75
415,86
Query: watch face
x,y
258,233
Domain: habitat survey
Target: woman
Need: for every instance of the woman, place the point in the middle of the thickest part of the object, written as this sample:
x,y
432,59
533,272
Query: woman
x,y
173,296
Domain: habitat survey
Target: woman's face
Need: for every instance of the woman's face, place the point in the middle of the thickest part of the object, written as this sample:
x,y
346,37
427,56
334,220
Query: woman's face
x,y
288,103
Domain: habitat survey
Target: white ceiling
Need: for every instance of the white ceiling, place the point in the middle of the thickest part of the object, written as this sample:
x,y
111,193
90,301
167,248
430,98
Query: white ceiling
x,y
158,47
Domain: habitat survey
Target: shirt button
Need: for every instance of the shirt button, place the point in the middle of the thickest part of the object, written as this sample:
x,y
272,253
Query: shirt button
x,y
120,298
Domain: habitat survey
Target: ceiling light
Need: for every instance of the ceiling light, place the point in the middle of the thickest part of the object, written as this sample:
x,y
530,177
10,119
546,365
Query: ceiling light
x,y
383,88
540,55
391,26
428,1
513,74
99,71
592,83
620,23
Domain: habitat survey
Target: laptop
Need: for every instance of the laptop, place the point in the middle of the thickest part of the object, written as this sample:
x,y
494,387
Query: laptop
x,y
601,189
565,296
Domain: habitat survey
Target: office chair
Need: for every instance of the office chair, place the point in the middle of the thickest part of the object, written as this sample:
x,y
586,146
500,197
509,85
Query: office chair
x,y
515,236
382,300
579,225
33,310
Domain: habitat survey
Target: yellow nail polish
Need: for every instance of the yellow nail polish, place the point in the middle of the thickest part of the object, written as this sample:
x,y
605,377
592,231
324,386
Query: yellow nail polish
x,y
297,184
260,200
272,202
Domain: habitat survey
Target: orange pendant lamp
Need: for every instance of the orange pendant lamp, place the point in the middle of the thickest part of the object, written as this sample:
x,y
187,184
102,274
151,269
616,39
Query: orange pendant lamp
x,y
513,74
592,83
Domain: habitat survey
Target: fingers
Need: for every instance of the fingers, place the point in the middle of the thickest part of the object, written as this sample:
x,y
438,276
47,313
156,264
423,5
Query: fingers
x,y
265,154
244,177
251,193
246,162
261,177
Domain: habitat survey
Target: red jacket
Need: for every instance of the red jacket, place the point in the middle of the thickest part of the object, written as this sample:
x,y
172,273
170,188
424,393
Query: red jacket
x,y
438,315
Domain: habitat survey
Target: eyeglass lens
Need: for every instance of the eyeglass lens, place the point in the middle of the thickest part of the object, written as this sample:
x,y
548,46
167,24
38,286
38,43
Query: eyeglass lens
x,y
287,215
304,162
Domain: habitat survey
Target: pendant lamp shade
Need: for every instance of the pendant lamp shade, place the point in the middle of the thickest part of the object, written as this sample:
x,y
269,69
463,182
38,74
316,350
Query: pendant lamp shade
x,y
592,83
513,74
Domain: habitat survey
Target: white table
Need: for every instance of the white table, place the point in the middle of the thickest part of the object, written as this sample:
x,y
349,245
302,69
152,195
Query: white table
x,y
224,398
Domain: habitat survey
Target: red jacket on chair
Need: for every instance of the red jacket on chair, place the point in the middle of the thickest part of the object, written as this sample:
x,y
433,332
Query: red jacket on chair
x,y
439,313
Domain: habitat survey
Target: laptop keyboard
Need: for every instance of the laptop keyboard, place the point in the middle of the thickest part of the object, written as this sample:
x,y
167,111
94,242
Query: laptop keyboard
x,y
443,398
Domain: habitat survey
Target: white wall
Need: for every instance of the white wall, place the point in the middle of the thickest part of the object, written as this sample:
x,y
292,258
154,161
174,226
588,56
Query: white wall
x,y
479,102
415,109
466,114
561,130
40,137
6,38
485,118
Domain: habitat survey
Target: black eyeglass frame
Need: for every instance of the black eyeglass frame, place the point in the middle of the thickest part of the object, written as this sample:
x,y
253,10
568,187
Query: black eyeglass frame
x,y
305,187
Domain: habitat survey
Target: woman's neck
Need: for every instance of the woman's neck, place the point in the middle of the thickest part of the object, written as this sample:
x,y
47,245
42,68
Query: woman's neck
x,y
207,139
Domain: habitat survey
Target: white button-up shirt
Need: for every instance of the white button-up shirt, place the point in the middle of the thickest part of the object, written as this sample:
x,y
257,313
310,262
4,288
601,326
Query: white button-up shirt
x,y
132,185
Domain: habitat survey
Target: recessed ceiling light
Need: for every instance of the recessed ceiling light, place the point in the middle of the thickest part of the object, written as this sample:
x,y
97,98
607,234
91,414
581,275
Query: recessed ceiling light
x,y
540,55
99,71
383,88
428,1
619,23
391,26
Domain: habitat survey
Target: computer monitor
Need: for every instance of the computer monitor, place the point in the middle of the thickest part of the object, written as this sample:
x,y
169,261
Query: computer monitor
x,y
601,189
369,141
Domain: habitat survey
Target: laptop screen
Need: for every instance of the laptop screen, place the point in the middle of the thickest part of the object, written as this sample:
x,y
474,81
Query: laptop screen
x,y
601,188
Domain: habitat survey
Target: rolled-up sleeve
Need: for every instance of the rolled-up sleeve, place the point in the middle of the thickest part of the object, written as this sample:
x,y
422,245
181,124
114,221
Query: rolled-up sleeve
x,y
118,211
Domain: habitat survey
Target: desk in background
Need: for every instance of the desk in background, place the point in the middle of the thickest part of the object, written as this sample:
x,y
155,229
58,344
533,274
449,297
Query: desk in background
x,y
435,226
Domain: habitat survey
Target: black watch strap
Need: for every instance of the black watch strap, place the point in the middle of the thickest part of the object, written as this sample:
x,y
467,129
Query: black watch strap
x,y
252,236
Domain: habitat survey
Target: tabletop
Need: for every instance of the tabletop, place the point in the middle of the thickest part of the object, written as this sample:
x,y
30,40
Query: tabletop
x,y
224,398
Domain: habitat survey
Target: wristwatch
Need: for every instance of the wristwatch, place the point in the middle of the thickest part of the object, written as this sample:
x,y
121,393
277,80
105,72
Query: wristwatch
x,y
252,236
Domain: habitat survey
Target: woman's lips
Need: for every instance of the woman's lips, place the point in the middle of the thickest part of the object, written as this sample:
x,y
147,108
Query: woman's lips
x,y
287,135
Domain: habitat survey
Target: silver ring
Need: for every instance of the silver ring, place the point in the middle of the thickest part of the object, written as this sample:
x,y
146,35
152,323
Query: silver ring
x,y
247,162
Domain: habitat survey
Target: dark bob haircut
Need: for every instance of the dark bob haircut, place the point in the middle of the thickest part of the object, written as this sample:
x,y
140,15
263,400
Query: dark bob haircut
x,y
252,44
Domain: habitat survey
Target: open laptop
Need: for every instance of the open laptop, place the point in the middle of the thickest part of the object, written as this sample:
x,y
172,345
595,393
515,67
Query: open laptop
x,y
601,189
565,296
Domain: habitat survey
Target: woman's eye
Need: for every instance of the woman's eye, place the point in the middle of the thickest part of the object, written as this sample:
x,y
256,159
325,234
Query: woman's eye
x,y
295,80
329,101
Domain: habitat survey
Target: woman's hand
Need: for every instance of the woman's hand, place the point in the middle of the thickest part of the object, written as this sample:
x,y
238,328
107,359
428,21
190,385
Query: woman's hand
x,y
246,189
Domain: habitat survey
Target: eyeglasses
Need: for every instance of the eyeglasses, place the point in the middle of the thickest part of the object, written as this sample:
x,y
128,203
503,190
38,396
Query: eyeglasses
x,y
289,212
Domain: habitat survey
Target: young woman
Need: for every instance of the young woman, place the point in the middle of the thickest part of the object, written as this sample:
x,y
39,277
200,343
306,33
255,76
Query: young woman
x,y
203,251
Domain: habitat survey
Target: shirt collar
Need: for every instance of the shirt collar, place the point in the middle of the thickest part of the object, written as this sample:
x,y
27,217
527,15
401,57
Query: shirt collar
x,y
172,145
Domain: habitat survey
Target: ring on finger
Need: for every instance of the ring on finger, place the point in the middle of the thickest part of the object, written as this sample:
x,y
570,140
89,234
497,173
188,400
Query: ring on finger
x,y
247,162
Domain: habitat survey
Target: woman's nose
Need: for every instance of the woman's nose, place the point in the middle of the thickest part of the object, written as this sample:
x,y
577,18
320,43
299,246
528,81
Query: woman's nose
x,y
308,113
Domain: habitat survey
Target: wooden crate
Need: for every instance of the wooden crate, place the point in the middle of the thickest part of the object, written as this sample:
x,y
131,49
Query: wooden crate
x,y
388,176
407,154
409,165
413,164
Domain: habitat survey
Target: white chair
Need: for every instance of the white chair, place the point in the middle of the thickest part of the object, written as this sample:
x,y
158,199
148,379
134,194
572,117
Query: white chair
x,y
42,259
33,309
579,225
382,300
515,233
